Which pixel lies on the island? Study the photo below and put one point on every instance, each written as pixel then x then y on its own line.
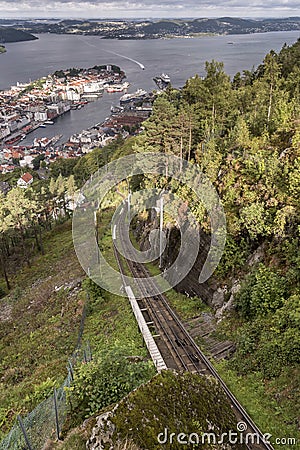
pixel 2 49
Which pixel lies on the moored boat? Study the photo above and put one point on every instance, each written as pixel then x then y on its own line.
pixel 135 96
pixel 117 87
pixel 162 81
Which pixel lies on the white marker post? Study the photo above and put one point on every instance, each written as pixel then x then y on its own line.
pixel 114 236
pixel 128 204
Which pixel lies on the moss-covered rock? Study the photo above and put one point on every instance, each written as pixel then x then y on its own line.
pixel 170 403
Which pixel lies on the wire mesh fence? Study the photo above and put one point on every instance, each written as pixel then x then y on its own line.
pixel 47 419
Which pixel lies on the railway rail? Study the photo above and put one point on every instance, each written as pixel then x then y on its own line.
pixel 177 347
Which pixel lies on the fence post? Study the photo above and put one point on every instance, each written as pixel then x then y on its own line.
pixel 69 375
pixel 71 370
pixel 24 433
pixel 90 351
pixel 56 414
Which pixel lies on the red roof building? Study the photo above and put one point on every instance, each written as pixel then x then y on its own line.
pixel 25 180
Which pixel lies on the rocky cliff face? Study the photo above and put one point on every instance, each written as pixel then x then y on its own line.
pixel 190 284
pixel 218 295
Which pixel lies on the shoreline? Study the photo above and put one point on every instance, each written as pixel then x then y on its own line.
pixel 122 121
pixel 87 84
pixel 167 37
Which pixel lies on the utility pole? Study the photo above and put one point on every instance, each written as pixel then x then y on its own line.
pixel 161 224
pixel 96 236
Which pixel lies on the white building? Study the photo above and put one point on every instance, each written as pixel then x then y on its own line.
pixel 93 87
pixel 40 116
pixel 72 95
pixel 25 181
pixel 4 130
pixel 26 161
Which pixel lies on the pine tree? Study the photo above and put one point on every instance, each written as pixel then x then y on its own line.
pixel 20 211
pixel 3 231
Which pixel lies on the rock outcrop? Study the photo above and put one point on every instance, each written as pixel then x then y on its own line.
pixel 169 403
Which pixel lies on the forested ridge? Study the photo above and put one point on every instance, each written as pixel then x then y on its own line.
pixel 153 29
pixel 244 134
pixel 10 34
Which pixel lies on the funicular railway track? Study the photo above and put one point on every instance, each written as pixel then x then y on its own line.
pixel 178 348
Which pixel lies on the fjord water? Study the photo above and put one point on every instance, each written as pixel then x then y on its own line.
pixel 181 58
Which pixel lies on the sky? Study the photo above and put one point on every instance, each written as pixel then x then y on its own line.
pixel 147 8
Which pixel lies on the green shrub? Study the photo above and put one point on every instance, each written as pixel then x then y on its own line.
pixel 41 391
pixel 262 292
pixel 268 344
pixel 17 294
pixel 234 256
pixel 94 293
pixel 105 380
pixel 92 289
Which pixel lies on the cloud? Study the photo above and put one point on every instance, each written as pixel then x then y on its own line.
pixel 144 8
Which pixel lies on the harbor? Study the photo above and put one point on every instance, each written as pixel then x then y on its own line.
pixel 28 106
pixel 123 118
pixel 85 113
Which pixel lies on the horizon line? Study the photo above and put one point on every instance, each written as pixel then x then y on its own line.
pixel 149 18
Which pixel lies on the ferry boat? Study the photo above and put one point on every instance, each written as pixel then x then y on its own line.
pixel 117 87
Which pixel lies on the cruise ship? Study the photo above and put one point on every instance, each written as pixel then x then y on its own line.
pixel 138 95
pixel 162 81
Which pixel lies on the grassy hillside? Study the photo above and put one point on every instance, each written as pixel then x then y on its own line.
pixel 40 321
pixel 39 326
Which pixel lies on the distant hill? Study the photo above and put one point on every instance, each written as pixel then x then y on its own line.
pixel 155 29
pixel 9 34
